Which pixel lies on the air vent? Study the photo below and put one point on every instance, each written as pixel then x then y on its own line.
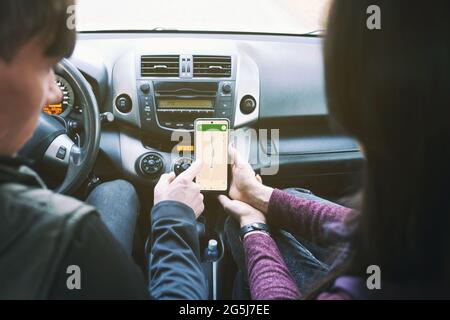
pixel 212 66
pixel 160 66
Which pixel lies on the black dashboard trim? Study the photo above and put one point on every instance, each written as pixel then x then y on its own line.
pixel 247 33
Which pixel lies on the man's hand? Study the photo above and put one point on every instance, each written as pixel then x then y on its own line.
pixel 181 189
pixel 242 212
pixel 246 186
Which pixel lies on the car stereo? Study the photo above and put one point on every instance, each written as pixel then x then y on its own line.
pixel 175 105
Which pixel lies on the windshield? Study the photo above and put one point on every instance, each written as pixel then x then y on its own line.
pixel 261 16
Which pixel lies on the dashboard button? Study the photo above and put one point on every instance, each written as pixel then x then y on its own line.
pixel 223 113
pixel 225 104
pixel 61 154
pixel 124 103
pixel 146 101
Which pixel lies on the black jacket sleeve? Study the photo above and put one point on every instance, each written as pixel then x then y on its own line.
pixel 175 270
pixel 107 271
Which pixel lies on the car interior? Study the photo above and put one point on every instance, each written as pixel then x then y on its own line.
pixel 129 93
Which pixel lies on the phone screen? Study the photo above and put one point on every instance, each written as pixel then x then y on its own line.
pixel 211 149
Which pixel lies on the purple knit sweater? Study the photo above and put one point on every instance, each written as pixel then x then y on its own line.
pixel 269 278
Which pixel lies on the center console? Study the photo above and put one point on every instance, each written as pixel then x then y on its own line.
pixel 174 105
pixel 155 95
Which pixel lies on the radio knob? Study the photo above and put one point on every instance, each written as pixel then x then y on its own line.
pixel 145 88
pixel 226 88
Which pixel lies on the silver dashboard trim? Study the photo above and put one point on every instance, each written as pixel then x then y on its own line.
pixel 124 82
pixel 125 79
pixel 247 83
pixel 135 150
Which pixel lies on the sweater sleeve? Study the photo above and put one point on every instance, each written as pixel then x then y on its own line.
pixel 268 275
pixel 340 295
pixel 303 217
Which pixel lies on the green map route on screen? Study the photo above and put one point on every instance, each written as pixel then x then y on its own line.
pixel 212 127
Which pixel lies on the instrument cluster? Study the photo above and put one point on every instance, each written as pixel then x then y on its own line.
pixel 68 105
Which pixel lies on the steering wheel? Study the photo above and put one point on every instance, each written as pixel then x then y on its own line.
pixel 50 144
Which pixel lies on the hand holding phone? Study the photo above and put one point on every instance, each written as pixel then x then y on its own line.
pixel 211 150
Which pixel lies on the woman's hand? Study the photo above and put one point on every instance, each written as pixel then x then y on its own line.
pixel 181 189
pixel 244 213
pixel 244 178
pixel 246 186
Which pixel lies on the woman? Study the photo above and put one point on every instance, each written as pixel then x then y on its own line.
pixel 390 89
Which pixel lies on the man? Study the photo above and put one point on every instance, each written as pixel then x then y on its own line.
pixel 46 239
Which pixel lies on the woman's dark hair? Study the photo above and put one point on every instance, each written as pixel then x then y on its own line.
pixel 22 20
pixel 390 89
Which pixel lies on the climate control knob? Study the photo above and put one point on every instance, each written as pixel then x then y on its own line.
pixel 151 164
pixel 182 165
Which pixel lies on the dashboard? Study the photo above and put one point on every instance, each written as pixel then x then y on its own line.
pixel 161 95
pixel 157 84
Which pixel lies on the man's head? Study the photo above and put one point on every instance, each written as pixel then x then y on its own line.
pixel 34 36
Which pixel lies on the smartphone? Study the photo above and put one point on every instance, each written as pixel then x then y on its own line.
pixel 211 149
